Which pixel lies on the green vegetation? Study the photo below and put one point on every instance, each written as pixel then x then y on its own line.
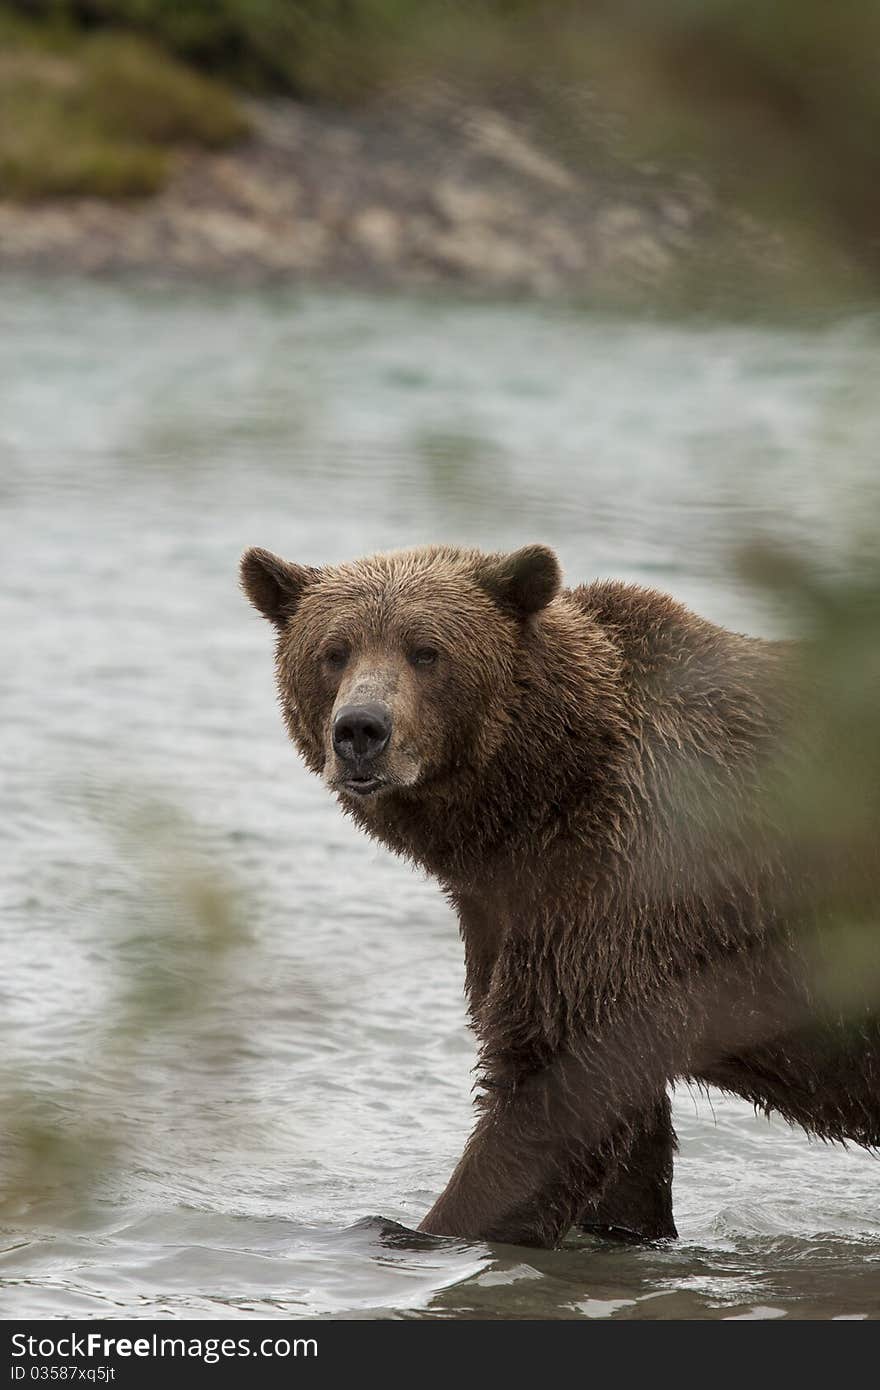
pixel 287 45
pixel 100 115
pixel 829 798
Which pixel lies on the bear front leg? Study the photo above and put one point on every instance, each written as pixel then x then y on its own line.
pixel 538 1158
pixel 557 1128
pixel 636 1201
pixel 575 1118
pixel 508 1188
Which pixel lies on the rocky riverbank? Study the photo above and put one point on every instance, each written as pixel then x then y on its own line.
pixel 411 194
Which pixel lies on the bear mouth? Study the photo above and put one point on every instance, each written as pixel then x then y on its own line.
pixel 363 786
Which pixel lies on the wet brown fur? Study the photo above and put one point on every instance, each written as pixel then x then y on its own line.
pixel 586 783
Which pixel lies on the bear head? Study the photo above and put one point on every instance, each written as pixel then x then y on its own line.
pixel 399 671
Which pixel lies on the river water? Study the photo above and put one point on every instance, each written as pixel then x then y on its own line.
pixel 234 1066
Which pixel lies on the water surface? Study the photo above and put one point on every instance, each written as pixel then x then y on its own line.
pixel 252 1131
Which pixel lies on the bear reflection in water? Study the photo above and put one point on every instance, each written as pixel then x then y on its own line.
pixel 588 774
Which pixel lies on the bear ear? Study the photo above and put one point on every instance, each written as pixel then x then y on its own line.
pixel 524 581
pixel 273 585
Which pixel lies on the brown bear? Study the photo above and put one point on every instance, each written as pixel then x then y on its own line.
pixel 583 772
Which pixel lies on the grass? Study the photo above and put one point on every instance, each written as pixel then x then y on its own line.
pixel 100 115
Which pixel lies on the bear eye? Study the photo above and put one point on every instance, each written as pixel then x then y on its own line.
pixel 336 655
pixel 424 656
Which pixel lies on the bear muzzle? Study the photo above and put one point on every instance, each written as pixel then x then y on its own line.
pixel 361 733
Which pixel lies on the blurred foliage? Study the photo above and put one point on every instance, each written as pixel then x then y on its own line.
pixel 827 796
pixel 779 102
pixel 170 955
pixel 100 115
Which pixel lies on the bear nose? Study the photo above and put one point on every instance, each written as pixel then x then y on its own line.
pixel 361 732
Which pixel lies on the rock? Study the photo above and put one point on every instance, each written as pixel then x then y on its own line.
pixel 619 219
pixel 493 134
pixel 676 212
pixel 461 202
pixel 377 231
